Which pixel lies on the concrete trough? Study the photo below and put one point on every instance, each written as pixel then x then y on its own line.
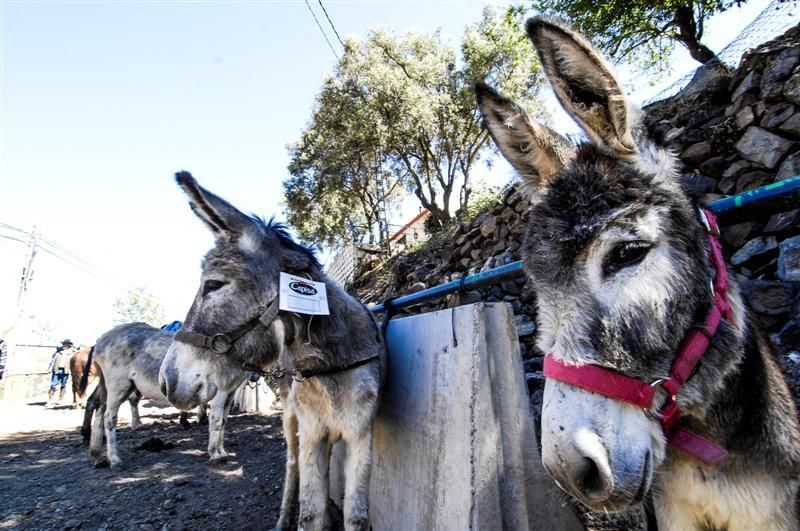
pixel 454 441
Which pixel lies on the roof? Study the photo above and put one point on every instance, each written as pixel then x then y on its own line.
pixel 408 225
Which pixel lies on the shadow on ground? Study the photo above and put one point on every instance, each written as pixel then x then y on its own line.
pixel 49 482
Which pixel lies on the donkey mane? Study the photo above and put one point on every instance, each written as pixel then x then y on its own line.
pixel 281 231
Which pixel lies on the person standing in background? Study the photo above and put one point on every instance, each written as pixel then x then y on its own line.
pixel 3 354
pixel 59 371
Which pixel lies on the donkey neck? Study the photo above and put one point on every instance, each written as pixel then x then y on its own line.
pixel 315 341
pixel 748 408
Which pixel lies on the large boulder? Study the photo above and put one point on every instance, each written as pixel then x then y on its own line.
pixel 761 146
pixel 789 260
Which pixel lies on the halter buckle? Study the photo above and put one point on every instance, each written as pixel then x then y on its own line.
pixel 220 343
pixel 707 224
pixel 671 400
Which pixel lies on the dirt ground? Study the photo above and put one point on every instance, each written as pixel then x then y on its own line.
pixel 47 480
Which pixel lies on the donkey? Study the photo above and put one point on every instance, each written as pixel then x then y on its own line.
pixel 93 402
pixel 129 357
pixel 627 303
pixel 337 361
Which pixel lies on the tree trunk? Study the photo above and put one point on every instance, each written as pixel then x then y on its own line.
pixel 439 218
pixel 688 35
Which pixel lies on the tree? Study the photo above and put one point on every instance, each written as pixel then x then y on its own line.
pixel 399 113
pixel 640 31
pixel 338 176
pixel 138 306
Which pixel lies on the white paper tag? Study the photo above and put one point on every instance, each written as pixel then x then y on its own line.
pixel 301 295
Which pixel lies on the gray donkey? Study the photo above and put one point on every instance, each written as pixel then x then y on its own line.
pixel 646 343
pixel 337 361
pixel 129 357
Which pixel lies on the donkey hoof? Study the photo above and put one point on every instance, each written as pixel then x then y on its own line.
pixel 218 460
pixel 116 464
pixel 101 463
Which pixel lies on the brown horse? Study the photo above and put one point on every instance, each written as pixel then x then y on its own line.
pixel 77 364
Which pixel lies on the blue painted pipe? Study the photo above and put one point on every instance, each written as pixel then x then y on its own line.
pixel 781 195
pixel 777 197
pixel 479 280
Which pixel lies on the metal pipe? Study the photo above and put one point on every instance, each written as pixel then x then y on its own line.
pixel 776 197
pixel 478 280
pixel 783 195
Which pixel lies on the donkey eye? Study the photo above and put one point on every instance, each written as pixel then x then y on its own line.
pixel 212 285
pixel 625 255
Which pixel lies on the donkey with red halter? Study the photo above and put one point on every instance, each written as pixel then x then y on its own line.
pixel 656 375
pixel 337 361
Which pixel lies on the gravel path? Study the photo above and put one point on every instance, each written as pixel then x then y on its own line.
pixel 49 482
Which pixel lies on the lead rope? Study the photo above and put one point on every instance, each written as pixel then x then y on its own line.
pixel 461 289
pixel 308 330
pixel 388 312
pixel 308 325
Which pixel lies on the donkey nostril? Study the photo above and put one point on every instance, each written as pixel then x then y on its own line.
pixel 595 484
pixel 163 385
pixel 591 476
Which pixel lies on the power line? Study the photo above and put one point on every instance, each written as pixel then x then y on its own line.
pixel 62 253
pixel 17 229
pixel 12 238
pixel 322 30
pixel 72 255
pixel 330 22
pixel 84 266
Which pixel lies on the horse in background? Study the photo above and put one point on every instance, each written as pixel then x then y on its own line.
pixel 77 365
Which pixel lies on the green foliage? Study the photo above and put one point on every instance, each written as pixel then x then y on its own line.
pixel 483 200
pixel 137 306
pixel 641 32
pixel 399 114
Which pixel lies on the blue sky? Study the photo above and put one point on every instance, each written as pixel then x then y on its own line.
pixel 102 101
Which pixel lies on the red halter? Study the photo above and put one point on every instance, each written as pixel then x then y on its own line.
pixel 639 393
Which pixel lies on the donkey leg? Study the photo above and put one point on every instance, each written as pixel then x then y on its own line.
pixel 216 428
pixel 96 436
pixel 98 407
pixel 202 414
pixel 114 400
pixel 226 409
pixel 356 487
pixel 133 400
pixel 290 482
pixel 313 454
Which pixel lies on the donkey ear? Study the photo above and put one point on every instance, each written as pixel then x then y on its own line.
pixel 584 84
pixel 224 220
pixel 533 149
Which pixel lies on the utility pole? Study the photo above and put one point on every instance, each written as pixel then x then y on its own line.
pixel 27 272
pixel 25 282
pixel 383 221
